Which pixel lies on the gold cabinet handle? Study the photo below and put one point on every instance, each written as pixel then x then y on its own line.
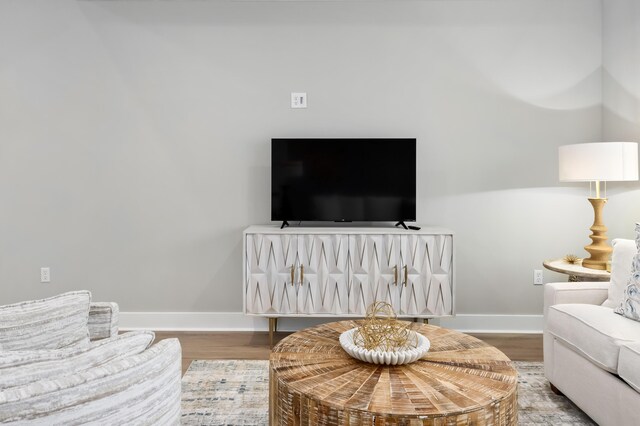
pixel 395 275
pixel 406 275
pixel 292 274
pixel 301 274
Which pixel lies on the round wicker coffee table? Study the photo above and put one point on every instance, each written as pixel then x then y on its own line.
pixel 460 381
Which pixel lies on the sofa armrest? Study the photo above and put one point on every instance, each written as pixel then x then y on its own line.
pixel 142 388
pixel 103 320
pixel 591 293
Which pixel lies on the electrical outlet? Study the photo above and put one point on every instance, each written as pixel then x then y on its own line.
pixel 45 275
pixel 298 100
pixel 537 277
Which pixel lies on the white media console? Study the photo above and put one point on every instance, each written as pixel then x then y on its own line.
pixel 327 272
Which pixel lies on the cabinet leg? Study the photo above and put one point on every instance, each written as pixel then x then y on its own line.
pixel 273 327
pixel 425 320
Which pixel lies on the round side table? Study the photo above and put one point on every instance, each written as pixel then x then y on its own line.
pixel 576 271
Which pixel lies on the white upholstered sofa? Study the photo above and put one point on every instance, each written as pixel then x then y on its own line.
pixel 591 354
pixel 62 362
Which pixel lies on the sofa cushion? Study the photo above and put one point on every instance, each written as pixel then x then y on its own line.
pixel 593 331
pixel 22 367
pixel 138 389
pixel 103 320
pixel 629 364
pixel 630 306
pixel 621 260
pixel 52 323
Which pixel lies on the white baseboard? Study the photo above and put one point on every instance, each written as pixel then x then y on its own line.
pixel 493 323
pixel 237 321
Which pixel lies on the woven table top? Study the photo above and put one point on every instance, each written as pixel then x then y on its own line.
pixel 459 374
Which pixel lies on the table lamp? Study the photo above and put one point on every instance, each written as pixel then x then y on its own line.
pixel 595 163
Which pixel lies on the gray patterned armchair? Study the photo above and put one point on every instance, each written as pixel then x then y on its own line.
pixel 62 362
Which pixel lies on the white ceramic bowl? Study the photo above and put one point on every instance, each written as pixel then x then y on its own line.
pixel 383 357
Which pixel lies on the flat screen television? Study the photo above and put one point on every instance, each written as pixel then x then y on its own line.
pixel 343 180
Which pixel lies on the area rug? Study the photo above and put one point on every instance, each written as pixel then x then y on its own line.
pixel 223 393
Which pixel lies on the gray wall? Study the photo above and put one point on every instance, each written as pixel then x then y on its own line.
pixel 621 69
pixel 134 136
pixel 621 91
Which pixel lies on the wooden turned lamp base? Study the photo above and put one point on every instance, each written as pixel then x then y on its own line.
pixel 599 250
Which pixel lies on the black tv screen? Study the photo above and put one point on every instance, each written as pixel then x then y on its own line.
pixel 343 180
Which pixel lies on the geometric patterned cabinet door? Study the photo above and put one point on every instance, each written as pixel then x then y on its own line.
pixel 341 271
pixel 410 272
pixel 323 266
pixel 297 274
pixel 374 265
pixel 427 288
pixel 270 259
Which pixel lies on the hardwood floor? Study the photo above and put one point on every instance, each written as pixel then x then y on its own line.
pixel 255 345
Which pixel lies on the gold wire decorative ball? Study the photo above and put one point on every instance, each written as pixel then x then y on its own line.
pixel 382 331
pixel 572 259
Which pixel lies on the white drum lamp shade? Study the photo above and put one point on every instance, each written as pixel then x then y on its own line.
pixel 598 162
